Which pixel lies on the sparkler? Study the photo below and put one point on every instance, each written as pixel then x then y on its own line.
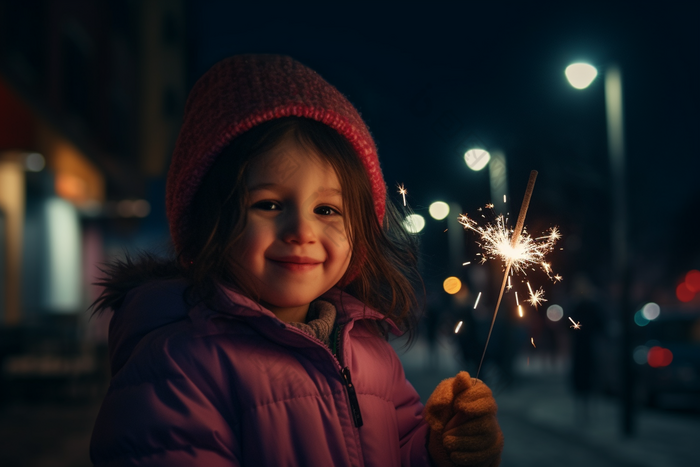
pixel 402 192
pixel 514 251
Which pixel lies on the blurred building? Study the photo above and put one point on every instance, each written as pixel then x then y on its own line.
pixel 91 96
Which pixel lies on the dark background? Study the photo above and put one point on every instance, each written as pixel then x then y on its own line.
pixel 110 79
pixel 496 74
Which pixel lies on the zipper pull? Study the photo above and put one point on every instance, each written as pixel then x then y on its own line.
pixel 354 404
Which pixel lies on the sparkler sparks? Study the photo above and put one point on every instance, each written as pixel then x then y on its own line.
pixel 520 311
pixel 477 300
pixel 537 297
pixel 402 192
pixel 532 341
pixel 515 248
pixel 496 241
pixel 459 325
pixel 575 324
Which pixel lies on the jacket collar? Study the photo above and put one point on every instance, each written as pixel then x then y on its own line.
pixel 159 303
pixel 348 308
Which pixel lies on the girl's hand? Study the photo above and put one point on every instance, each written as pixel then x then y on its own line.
pixel 463 426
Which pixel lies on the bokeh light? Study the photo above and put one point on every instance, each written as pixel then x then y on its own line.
pixel 34 162
pixel 452 285
pixel 141 208
pixel 555 313
pixel 692 280
pixel 639 319
pixel 580 75
pixel 651 311
pixel 414 223
pixel 439 210
pixel 659 357
pixel 477 159
pixel 683 293
pixel 640 354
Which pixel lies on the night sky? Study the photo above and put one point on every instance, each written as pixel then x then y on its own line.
pixel 428 79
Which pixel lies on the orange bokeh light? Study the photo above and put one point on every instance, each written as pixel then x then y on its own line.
pixel 659 357
pixel 683 293
pixel 452 285
pixel 692 280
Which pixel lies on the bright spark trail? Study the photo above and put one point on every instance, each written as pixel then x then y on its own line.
pixel 575 324
pixel 402 192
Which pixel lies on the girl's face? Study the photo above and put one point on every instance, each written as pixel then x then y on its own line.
pixel 294 244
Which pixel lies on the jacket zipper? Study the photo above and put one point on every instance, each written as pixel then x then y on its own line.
pixel 347 382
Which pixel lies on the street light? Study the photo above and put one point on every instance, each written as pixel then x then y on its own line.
pixel 580 75
pixel 477 159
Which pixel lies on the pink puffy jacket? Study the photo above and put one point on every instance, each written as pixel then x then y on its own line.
pixel 196 387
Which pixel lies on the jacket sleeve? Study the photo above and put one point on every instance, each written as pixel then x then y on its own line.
pixel 413 429
pixel 163 408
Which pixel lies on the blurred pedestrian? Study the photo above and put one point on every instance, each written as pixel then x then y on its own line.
pixel 584 364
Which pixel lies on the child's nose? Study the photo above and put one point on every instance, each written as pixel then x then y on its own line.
pixel 298 228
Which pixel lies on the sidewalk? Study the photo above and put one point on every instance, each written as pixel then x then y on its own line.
pixel 539 421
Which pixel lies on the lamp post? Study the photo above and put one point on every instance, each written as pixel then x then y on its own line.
pixel 580 75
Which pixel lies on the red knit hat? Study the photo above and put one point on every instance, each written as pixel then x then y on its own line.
pixel 246 90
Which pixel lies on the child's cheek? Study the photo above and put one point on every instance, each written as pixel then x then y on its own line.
pixel 334 233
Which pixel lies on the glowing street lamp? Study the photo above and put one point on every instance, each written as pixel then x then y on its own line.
pixel 580 75
pixel 477 159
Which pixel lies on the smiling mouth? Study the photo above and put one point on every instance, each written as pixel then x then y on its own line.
pixel 294 266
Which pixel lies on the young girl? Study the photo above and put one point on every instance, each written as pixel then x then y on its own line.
pixel 265 342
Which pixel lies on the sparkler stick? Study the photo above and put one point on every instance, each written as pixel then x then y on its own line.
pixel 513 242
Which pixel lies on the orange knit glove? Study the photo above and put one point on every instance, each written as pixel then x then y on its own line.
pixel 464 430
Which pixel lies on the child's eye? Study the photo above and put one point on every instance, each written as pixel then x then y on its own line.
pixel 326 211
pixel 267 206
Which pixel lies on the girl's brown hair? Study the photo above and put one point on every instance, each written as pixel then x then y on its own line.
pixel 384 256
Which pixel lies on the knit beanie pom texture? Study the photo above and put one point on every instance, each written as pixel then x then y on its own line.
pixel 239 93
